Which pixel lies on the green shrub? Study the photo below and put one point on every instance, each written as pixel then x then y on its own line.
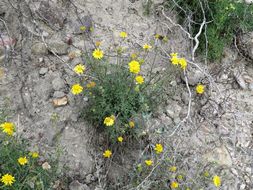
pixel 19 168
pixel 114 93
pixel 225 19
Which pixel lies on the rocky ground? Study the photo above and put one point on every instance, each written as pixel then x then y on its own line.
pixel 39 45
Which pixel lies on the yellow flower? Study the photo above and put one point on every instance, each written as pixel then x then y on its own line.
pixel 22 161
pixel 120 139
pixel 8 128
pixel 174 185
pixel 76 89
pixel 134 67
pixel 123 34
pixel 183 63
pixel 109 121
pixel 174 60
pixel 216 181
pixel 173 168
pixel 158 148
pixel 98 54
pixel 8 179
pixel 91 84
pixel 200 89
pixel 98 43
pixel 131 124
pixel 148 162
pixel 139 79
pixel 107 154
pixel 82 28
pixel 34 154
pixel 173 54
pixel 79 69
pixel 147 47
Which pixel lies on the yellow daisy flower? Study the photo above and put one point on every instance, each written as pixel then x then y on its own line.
pixel 76 89
pixel 79 69
pixel 98 54
pixel 174 60
pixel 134 67
pixel 8 128
pixel 173 168
pixel 174 185
pixel 109 121
pixel 158 148
pixel 183 63
pixel 139 79
pixel 146 47
pixel 34 154
pixel 123 34
pixel 22 160
pixel 120 139
pixel 107 153
pixel 200 89
pixel 149 162
pixel 7 179
pixel 216 181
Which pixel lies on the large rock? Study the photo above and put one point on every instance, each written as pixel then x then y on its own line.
pixel 75 143
pixel 58 47
pixel 58 83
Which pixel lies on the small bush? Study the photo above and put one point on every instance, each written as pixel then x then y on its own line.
pixel 225 19
pixel 121 92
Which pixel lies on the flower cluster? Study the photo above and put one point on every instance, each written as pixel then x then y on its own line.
pixel 175 60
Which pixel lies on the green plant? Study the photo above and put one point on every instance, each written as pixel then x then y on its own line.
pixel 168 169
pixel 19 168
pixel 120 93
pixel 225 19
pixel 116 93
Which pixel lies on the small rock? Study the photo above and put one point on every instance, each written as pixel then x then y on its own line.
pixel 58 83
pixel 43 71
pixel 60 101
pixel 76 185
pixel 39 49
pixel 173 110
pixel 194 77
pixel 58 47
pixel 58 94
